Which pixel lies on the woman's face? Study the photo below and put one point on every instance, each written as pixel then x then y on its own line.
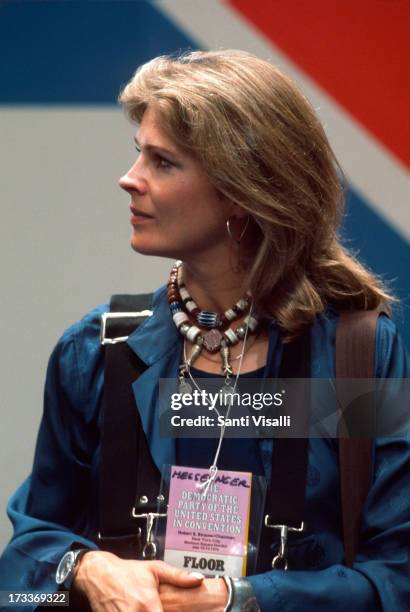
pixel 175 210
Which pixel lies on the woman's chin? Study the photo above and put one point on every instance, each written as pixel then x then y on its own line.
pixel 145 247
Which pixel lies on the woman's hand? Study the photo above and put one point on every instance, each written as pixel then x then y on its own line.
pixel 117 585
pixel 210 596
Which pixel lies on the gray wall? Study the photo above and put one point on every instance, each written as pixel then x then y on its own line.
pixel 64 249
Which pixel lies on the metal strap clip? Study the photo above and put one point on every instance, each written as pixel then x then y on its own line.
pixel 150 548
pixel 118 315
pixel 280 561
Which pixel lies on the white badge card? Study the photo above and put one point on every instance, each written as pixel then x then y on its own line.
pixel 208 524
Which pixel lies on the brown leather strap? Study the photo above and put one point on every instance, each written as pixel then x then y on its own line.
pixel 355 352
pixel 355 343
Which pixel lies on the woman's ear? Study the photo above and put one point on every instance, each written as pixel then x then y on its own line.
pixel 239 212
pixel 233 209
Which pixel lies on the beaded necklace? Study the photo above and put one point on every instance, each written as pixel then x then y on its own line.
pixel 219 336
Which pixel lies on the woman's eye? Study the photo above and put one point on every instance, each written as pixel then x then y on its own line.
pixel 157 159
pixel 161 162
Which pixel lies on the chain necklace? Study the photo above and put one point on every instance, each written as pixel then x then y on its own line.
pixel 228 393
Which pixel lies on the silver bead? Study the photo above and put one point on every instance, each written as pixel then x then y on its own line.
pixel 251 322
pixel 242 304
pixel 226 366
pixel 231 336
pixel 196 350
pixel 184 328
pixel 230 314
pixel 240 332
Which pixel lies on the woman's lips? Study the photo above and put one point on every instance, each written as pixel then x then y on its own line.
pixel 137 216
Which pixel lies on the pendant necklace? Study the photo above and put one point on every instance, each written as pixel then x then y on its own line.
pixel 218 335
pixel 228 391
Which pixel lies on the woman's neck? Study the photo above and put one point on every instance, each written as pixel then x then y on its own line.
pixel 214 288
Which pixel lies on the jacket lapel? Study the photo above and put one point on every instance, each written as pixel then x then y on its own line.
pixel 158 344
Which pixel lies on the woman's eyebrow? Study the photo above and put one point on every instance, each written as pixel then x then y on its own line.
pixel 156 147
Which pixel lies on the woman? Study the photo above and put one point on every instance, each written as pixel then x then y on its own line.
pixel 234 177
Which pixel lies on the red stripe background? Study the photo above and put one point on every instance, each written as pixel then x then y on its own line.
pixel 358 51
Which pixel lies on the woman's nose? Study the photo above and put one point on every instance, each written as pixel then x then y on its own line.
pixel 132 181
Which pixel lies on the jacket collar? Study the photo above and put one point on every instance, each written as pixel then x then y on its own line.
pixel 157 335
pixel 158 344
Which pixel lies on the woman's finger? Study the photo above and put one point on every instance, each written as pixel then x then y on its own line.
pixel 178 577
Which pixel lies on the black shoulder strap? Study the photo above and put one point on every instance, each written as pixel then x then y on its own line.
pixel 125 459
pixel 355 351
pixel 285 500
pixel 286 494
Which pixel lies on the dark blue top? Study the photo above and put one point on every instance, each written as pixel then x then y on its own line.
pixel 241 454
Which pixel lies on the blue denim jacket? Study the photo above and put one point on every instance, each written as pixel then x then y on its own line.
pixel 57 506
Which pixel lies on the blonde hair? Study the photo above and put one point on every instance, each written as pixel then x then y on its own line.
pixel 264 148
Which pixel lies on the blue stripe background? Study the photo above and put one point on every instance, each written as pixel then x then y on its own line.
pixel 79 53
pixel 383 250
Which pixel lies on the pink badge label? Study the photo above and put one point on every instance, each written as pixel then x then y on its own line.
pixel 208 533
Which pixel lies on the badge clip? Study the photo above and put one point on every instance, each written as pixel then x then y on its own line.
pixel 279 561
pixel 150 548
